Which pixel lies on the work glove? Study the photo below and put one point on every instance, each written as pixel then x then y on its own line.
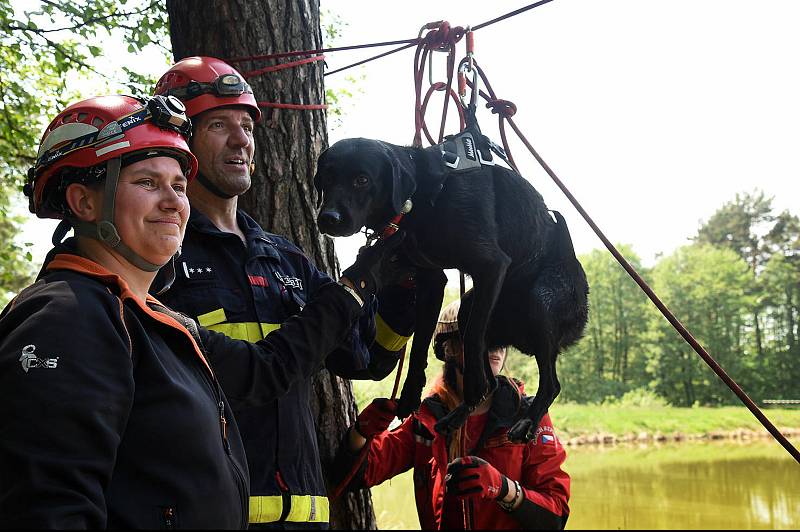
pixel 376 418
pixel 365 271
pixel 473 477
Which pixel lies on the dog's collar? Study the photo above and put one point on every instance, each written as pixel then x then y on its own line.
pixel 394 224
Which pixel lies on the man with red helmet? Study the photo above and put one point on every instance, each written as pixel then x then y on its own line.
pixel 236 278
pixel 112 413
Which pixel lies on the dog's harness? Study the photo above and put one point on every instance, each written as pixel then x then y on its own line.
pixel 463 152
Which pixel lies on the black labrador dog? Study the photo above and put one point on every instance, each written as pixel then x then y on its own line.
pixel 529 290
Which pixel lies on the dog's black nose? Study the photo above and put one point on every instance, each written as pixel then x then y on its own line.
pixel 328 220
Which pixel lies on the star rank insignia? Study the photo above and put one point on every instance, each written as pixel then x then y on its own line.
pixel 198 270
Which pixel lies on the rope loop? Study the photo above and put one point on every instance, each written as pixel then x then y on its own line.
pixel 504 108
pixel 443 37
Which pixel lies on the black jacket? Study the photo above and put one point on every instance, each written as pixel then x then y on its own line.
pixel 111 415
pixel 248 290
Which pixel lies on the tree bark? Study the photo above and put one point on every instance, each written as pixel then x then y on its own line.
pixel 282 197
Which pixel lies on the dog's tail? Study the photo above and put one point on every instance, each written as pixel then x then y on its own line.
pixel 562 241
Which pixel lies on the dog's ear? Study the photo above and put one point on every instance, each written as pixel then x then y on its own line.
pixel 318 178
pixel 403 178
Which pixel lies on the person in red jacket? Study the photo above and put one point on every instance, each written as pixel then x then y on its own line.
pixel 505 485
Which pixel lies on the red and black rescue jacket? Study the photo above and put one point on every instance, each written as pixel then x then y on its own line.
pixel 536 465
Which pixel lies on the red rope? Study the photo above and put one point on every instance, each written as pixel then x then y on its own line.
pixel 282 66
pixel 441 37
pixel 362 455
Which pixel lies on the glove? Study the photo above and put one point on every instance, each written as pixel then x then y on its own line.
pixel 473 477
pixel 365 271
pixel 376 418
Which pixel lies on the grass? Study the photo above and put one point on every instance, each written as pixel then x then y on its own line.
pixel 573 420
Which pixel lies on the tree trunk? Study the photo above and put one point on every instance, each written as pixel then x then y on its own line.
pixel 288 142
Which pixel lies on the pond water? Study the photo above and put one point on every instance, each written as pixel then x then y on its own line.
pixel 708 485
pixel 751 484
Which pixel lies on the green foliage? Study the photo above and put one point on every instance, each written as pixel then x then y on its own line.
pixel 16 270
pixel 611 358
pixel 340 92
pixel 741 225
pixel 42 47
pixel 707 288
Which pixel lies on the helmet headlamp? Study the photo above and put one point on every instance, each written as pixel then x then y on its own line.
pixel 225 85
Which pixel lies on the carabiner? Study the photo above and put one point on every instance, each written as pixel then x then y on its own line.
pixel 462 83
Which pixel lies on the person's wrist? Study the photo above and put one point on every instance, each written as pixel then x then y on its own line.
pixel 513 497
pixel 345 283
pixel 511 492
pixel 357 440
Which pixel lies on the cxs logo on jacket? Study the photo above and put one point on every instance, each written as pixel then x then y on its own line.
pixel 29 360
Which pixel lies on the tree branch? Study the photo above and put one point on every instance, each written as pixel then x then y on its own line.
pixel 88 22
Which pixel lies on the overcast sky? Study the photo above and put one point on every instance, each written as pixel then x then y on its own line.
pixel 652 113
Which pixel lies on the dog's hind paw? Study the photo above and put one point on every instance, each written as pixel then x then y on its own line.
pixel 454 420
pixel 523 431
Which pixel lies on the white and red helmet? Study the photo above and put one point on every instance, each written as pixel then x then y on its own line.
pixel 446 327
pixel 94 131
pixel 204 83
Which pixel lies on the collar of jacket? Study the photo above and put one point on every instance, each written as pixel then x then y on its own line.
pixel 265 244
pixel 502 413
pixel 117 285
pixel 253 233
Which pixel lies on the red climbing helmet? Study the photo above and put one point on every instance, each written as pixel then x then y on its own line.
pixel 204 83
pixel 103 128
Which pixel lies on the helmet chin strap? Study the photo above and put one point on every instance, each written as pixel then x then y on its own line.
pixel 105 231
pixel 214 189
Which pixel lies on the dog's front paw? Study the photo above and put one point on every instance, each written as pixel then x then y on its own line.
pixel 523 431
pixel 453 421
pixel 406 404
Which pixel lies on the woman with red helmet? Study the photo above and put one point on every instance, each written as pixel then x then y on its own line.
pixel 113 415
pixel 507 485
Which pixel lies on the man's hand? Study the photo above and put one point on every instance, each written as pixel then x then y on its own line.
pixel 365 273
pixel 376 417
pixel 473 477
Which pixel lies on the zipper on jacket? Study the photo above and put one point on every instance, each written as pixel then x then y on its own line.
pixel 168 515
pixel 223 423
pixel 243 487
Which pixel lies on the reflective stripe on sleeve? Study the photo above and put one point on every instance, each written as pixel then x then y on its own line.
pixel 249 331
pixel 387 338
pixel 304 509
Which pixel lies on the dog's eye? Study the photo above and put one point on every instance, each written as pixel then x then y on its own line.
pixel 360 181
